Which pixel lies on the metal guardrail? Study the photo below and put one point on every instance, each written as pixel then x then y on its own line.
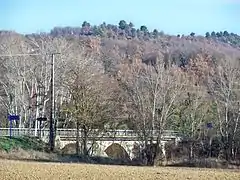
pixel 69 133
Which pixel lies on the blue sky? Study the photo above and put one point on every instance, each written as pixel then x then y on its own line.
pixel 171 16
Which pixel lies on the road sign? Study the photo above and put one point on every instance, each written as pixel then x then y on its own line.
pixel 209 125
pixel 12 117
pixel 41 119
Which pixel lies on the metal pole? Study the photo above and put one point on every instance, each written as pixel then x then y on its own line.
pixel 40 129
pixel 10 129
pixel 51 128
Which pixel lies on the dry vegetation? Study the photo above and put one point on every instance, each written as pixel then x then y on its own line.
pixel 33 170
pixel 117 77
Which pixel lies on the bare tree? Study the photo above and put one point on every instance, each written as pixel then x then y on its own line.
pixel 192 116
pixel 224 87
pixel 14 81
pixel 150 96
pixel 27 78
pixel 90 99
pixel 195 103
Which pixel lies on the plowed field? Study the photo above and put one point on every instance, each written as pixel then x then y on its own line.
pixel 19 170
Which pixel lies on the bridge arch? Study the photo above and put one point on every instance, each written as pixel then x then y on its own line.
pixel 116 151
pixel 127 146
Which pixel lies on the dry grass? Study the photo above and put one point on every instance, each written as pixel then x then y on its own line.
pixel 34 170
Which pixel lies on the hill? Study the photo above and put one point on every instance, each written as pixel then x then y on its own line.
pixel 112 76
pixel 124 41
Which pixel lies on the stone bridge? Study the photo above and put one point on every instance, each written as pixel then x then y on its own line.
pixel 99 147
pixel 98 142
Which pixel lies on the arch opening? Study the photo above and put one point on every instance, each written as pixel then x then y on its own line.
pixel 116 151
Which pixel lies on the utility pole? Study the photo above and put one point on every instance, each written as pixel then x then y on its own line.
pixel 52 108
pixel 51 119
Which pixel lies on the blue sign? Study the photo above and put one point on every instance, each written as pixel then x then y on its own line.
pixel 209 125
pixel 13 117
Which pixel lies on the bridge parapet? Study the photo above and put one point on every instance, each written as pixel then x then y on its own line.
pixel 72 133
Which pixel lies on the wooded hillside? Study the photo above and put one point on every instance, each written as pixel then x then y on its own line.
pixel 117 76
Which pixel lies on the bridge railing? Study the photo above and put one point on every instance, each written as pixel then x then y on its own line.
pixel 73 133
pixel 67 132
pixel 17 131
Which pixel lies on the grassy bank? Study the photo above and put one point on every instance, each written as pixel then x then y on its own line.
pixel 26 143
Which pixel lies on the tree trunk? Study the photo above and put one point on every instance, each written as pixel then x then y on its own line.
pixel 85 138
pixel 78 139
pixel 159 156
pixel 55 125
pixel 37 109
